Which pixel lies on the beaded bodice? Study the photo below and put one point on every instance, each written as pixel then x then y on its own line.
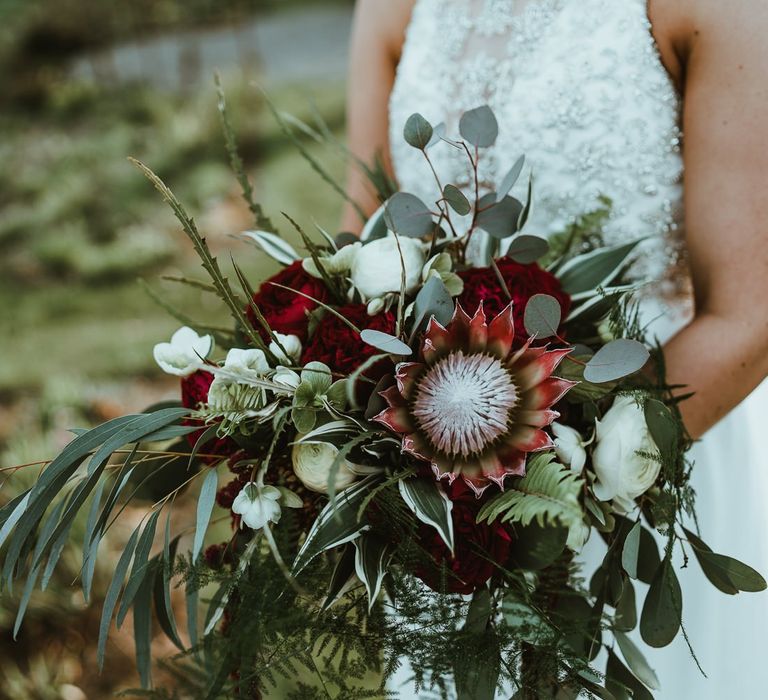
pixel 578 86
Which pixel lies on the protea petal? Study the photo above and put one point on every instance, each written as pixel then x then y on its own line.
pixel 549 392
pixel 501 333
pixel 513 461
pixel 393 397
pixel 529 439
pixel 412 444
pixel 436 342
pixel 478 331
pixel 539 368
pixel 397 419
pixel 537 418
pixel 406 375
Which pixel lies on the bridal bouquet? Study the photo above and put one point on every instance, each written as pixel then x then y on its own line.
pixel 412 451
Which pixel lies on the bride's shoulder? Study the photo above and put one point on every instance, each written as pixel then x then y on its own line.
pixel 387 20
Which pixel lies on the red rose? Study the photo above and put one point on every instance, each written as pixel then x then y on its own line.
pixel 285 311
pixel 477 545
pixel 523 282
pixel 338 346
pixel 194 391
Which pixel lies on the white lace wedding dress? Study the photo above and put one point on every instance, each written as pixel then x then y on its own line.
pixel 578 86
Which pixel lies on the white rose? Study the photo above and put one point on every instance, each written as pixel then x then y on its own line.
pixel 569 446
pixel 377 267
pixel 622 474
pixel 292 346
pixel 184 354
pixel 258 505
pixel 312 462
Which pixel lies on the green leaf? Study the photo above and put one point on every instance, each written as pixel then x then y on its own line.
pixel 479 127
pixel 542 316
pixel 663 608
pixel 430 505
pixel 479 612
pixel 725 573
pixel 342 574
pixel 537 546
pixel 618 359
pixel 595 269
pixel 526 622
pixel 407 215
pixel 418 131
pixel 433 299
pixel 89 550
pixel 386 342
pixel 523 220
pixel 572 368
pixel 456 200
pixel 337 524
pixel 637 662
pixel 376 226
pixel 273 245
pixel 527 249
pixel 142 628
pixel 626 609
pixel 631 551
pixel 162 593
pixel 372 557
pixel 14 516
pixel 511 178
pixel 205 504
pixel 498 219
pixel 477 676
pixel 663 429
pixel 110 600
pixel 619 680
pixel 548 494
pixel 140 568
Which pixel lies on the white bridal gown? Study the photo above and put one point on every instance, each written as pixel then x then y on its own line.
pixel 578 86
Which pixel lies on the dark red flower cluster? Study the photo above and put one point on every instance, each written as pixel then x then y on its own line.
pixel 284 310
pixel 523 281
pixel 477 545
pixel 194 391
pixel 338 346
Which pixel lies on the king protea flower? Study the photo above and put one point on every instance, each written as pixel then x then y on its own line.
pixel 474 407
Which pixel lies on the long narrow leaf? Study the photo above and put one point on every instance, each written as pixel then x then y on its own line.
pixel 205 505
pixel 140 569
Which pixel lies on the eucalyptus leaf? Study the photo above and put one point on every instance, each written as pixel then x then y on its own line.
pixel 619 680
pixel 511 178
pixel 618 359
pixel 626 609
pixel 637 662
pixel 479 612
pixel 498 219
pixel 478 675
pixel 523 220
pixel 631 551
pixel 479 127
pixel 418 131
pixel 595 269
pixel 433 299
pixel 527 249
pixel 542 316
pixel 386 342
pixel 662 611
pixel 438 133
pixel 142 628
pixel 407 215
pixel 376 226
pixel 725 573
pixel 205 503
pixel 140 568
pixel 430 504
pixel 273 245
pixel 663 429
pixel 457 200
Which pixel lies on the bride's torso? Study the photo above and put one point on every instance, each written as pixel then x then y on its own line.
pixel 578 86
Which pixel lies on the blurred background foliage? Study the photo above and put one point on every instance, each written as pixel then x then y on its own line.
pixel 84 87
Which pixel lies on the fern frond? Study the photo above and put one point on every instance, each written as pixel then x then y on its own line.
pixel 548 492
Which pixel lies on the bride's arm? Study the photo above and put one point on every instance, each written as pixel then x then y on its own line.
pixel 723 354
pixel 377 36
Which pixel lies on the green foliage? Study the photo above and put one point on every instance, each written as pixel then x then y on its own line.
pixel 548 493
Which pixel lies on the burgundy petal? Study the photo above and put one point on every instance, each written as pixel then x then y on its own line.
pixel 539 368
pixel 501 333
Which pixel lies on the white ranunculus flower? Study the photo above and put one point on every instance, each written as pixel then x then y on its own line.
pixel 258 505
pixel 312 462
pixel 377 267
pixel 287 378
pixel 292 346
pixel 182 356
pixel 339 263
pixel 622 474
pixel 569 446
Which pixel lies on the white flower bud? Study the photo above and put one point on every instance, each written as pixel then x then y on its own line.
pixel 569 446
pixel 257 505
pixel 182 356
pixel 622 474
pixel 292 346
pixel 377 267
